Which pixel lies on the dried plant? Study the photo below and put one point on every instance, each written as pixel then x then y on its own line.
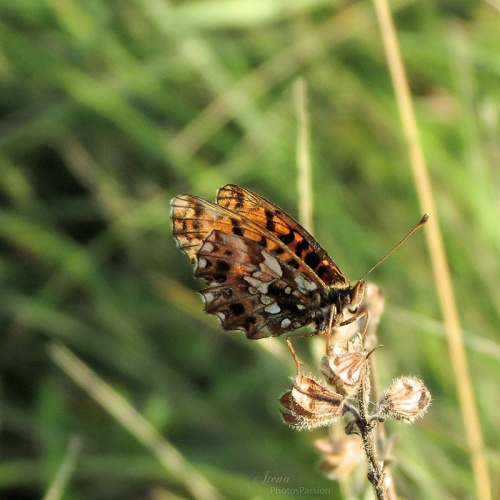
pixel 345 390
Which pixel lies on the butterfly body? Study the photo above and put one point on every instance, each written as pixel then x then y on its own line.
pixel 266 274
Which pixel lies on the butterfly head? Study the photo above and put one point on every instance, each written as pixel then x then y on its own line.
pixel 343 299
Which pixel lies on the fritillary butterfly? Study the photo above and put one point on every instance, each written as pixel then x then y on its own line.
pixel 266 274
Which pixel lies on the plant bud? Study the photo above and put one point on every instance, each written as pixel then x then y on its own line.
pixel 407 399
pixel 345 367
pixel 311 404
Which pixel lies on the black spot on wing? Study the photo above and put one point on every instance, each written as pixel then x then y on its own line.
pixel 270 225
pixel 274 291
pixel 287 238
pixel 237 308
pixel 312 260
pixel 240 200
pixel 198 210
pixel 323 272
pixel 302 246
pixel 223 266
pixel 236 229
pixel 220 272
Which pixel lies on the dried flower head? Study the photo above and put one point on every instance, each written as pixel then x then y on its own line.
pixel 406 399
pixel 340 456
pixel 346 366
pixel 311 404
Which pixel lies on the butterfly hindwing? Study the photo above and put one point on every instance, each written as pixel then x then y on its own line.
pixel 250 289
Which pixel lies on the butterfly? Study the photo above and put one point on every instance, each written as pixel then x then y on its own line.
pixel 265 274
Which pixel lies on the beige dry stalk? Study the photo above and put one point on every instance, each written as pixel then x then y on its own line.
pixel 436 248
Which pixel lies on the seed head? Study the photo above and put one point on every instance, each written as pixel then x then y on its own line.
pixel 406 399
pixel 311 404
pixel 345 366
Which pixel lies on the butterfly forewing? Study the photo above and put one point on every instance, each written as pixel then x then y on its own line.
pixel 285 228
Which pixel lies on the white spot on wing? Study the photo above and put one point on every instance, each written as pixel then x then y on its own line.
pixel 266 300
pixel 285 323
pixel 262 276
pixel 208 247
pixel 239 244
pixel 256 283
pixel 304 284
pixel 274 308
pixel 271 265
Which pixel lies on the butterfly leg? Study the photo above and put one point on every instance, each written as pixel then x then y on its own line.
pixel 328 331
pixel 294 354
pixel 292 350
pixel 365 313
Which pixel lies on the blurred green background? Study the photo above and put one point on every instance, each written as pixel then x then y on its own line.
pixel 109 109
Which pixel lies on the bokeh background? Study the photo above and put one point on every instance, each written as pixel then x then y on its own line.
pixel 109 109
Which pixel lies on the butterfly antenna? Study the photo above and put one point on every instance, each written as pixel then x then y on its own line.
pixel 422 221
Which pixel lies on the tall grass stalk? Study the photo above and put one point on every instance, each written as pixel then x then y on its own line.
pixel 444 285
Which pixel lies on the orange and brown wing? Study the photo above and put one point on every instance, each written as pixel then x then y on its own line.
pixel 195 218
pixel 255 282
pixel 286 229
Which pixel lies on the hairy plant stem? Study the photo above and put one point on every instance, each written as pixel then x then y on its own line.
pixel 366 426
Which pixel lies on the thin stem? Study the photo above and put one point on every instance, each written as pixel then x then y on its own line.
pixel 459 363
pixel 365 425
pixel 304 183
pixel 379 432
